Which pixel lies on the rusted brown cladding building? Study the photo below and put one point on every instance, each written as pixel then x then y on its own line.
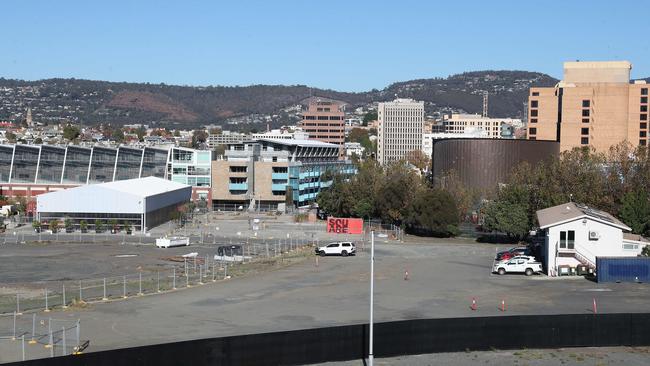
pixel 483 163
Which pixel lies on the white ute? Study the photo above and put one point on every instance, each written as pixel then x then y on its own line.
pixel 343 248
pixel 519 264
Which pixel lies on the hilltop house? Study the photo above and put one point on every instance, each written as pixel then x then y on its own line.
pixel 576 234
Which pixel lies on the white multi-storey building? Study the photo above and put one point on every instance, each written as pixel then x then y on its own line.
pixel 401 123
pixel 459 123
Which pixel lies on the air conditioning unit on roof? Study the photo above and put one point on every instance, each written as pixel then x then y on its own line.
pixel 594 235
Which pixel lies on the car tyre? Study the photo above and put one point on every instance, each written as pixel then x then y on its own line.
pixel 344 253
pixel 321 253
pixel 529 272
pixel 501 271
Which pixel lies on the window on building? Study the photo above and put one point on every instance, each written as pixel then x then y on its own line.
pixel 586 103
pixel 643 134
pixel 644 99
pixel 643 125
pixel 585 113
pixel 533 131
pixel 533 112
pixel 584 141
pixel 534 104
pixel 642 142
pixel 533 120
pixel 643 117
pixel 322 118
pixel 584 131
pixel 567 239
pixel 627 246
pixel 644 108
pixel 585 120
pixel 535 94
pixel 310 117
pixel 644 91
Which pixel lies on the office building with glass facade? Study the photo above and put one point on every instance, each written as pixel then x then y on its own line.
pixel 262 174
pixel 30 170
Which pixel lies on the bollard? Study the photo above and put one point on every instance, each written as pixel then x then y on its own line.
pixel 64 348
pixel 140 283
pixel 406 275
pixel 65 306
pixel 81 299
pixel 174 278
pixel 214 272
pixel 78 331
pixel 22 340
pixel 50 343
pixel 502 306
pixel 474 306
pixel 47 307
pixel 33 340
pixel 157 281
pixel 13 337
pixel 595 308
pixel 104 298
pixel 124 288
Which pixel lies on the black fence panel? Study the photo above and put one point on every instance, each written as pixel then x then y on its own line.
pixel 406 337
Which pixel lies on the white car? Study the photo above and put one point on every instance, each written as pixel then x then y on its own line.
pixel 519 264
pixel 343 248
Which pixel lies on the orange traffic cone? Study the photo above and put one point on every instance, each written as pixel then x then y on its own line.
pixel 595 307
pixel 474 306
pixel 406 275
pixel 502 307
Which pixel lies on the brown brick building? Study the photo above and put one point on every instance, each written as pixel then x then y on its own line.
pixel 594 105
pixel 325 121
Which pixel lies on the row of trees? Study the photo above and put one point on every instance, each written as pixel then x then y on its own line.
pixel 395 194
pixel 54 225
pixel 616 182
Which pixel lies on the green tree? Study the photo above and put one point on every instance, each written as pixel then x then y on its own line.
pixel 38 141
pixel 36 225
pixel 141 133
pixel 54 226
pixel 635 211
pixel 506 217
pixel 220 150
pixel 83 226
pixel 199 137
pixel 369 117
pixel 118 135
pixel 433 212
pixel 99 226
pixel 10 136
pixel 71 132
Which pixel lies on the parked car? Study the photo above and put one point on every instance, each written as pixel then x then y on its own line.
pixel 343 248
pixel 518 264
pixel 230 250
pixel 512 252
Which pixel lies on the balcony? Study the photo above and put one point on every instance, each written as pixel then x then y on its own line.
pixel 238 186
pixel 279 187
pixel 283 176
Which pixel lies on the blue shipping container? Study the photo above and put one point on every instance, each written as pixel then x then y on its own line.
pixel 623 269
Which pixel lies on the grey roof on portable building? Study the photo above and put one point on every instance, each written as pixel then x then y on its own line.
pixel 301 143
pixel 571 211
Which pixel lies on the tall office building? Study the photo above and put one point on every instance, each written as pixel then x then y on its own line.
pixel 594 105
pixel 401 123
pixel 324 121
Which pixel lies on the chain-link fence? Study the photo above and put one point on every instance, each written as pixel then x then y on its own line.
pixel 35 336
pixel 182 271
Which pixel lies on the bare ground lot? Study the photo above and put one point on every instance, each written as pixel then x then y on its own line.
pixel 444 277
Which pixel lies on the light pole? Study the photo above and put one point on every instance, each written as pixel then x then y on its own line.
pixel 372 296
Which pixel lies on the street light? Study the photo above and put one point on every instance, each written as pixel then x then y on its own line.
pixel 372 297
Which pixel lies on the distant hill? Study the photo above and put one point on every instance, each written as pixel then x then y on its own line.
pixel 91 102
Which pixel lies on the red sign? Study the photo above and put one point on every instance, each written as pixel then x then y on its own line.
pixel 344 226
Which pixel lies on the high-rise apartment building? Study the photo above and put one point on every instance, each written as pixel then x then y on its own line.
pixel 401 123
pixel 594 105
pixel 325 121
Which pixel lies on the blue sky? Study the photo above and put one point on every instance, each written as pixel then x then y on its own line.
pixel 344 45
